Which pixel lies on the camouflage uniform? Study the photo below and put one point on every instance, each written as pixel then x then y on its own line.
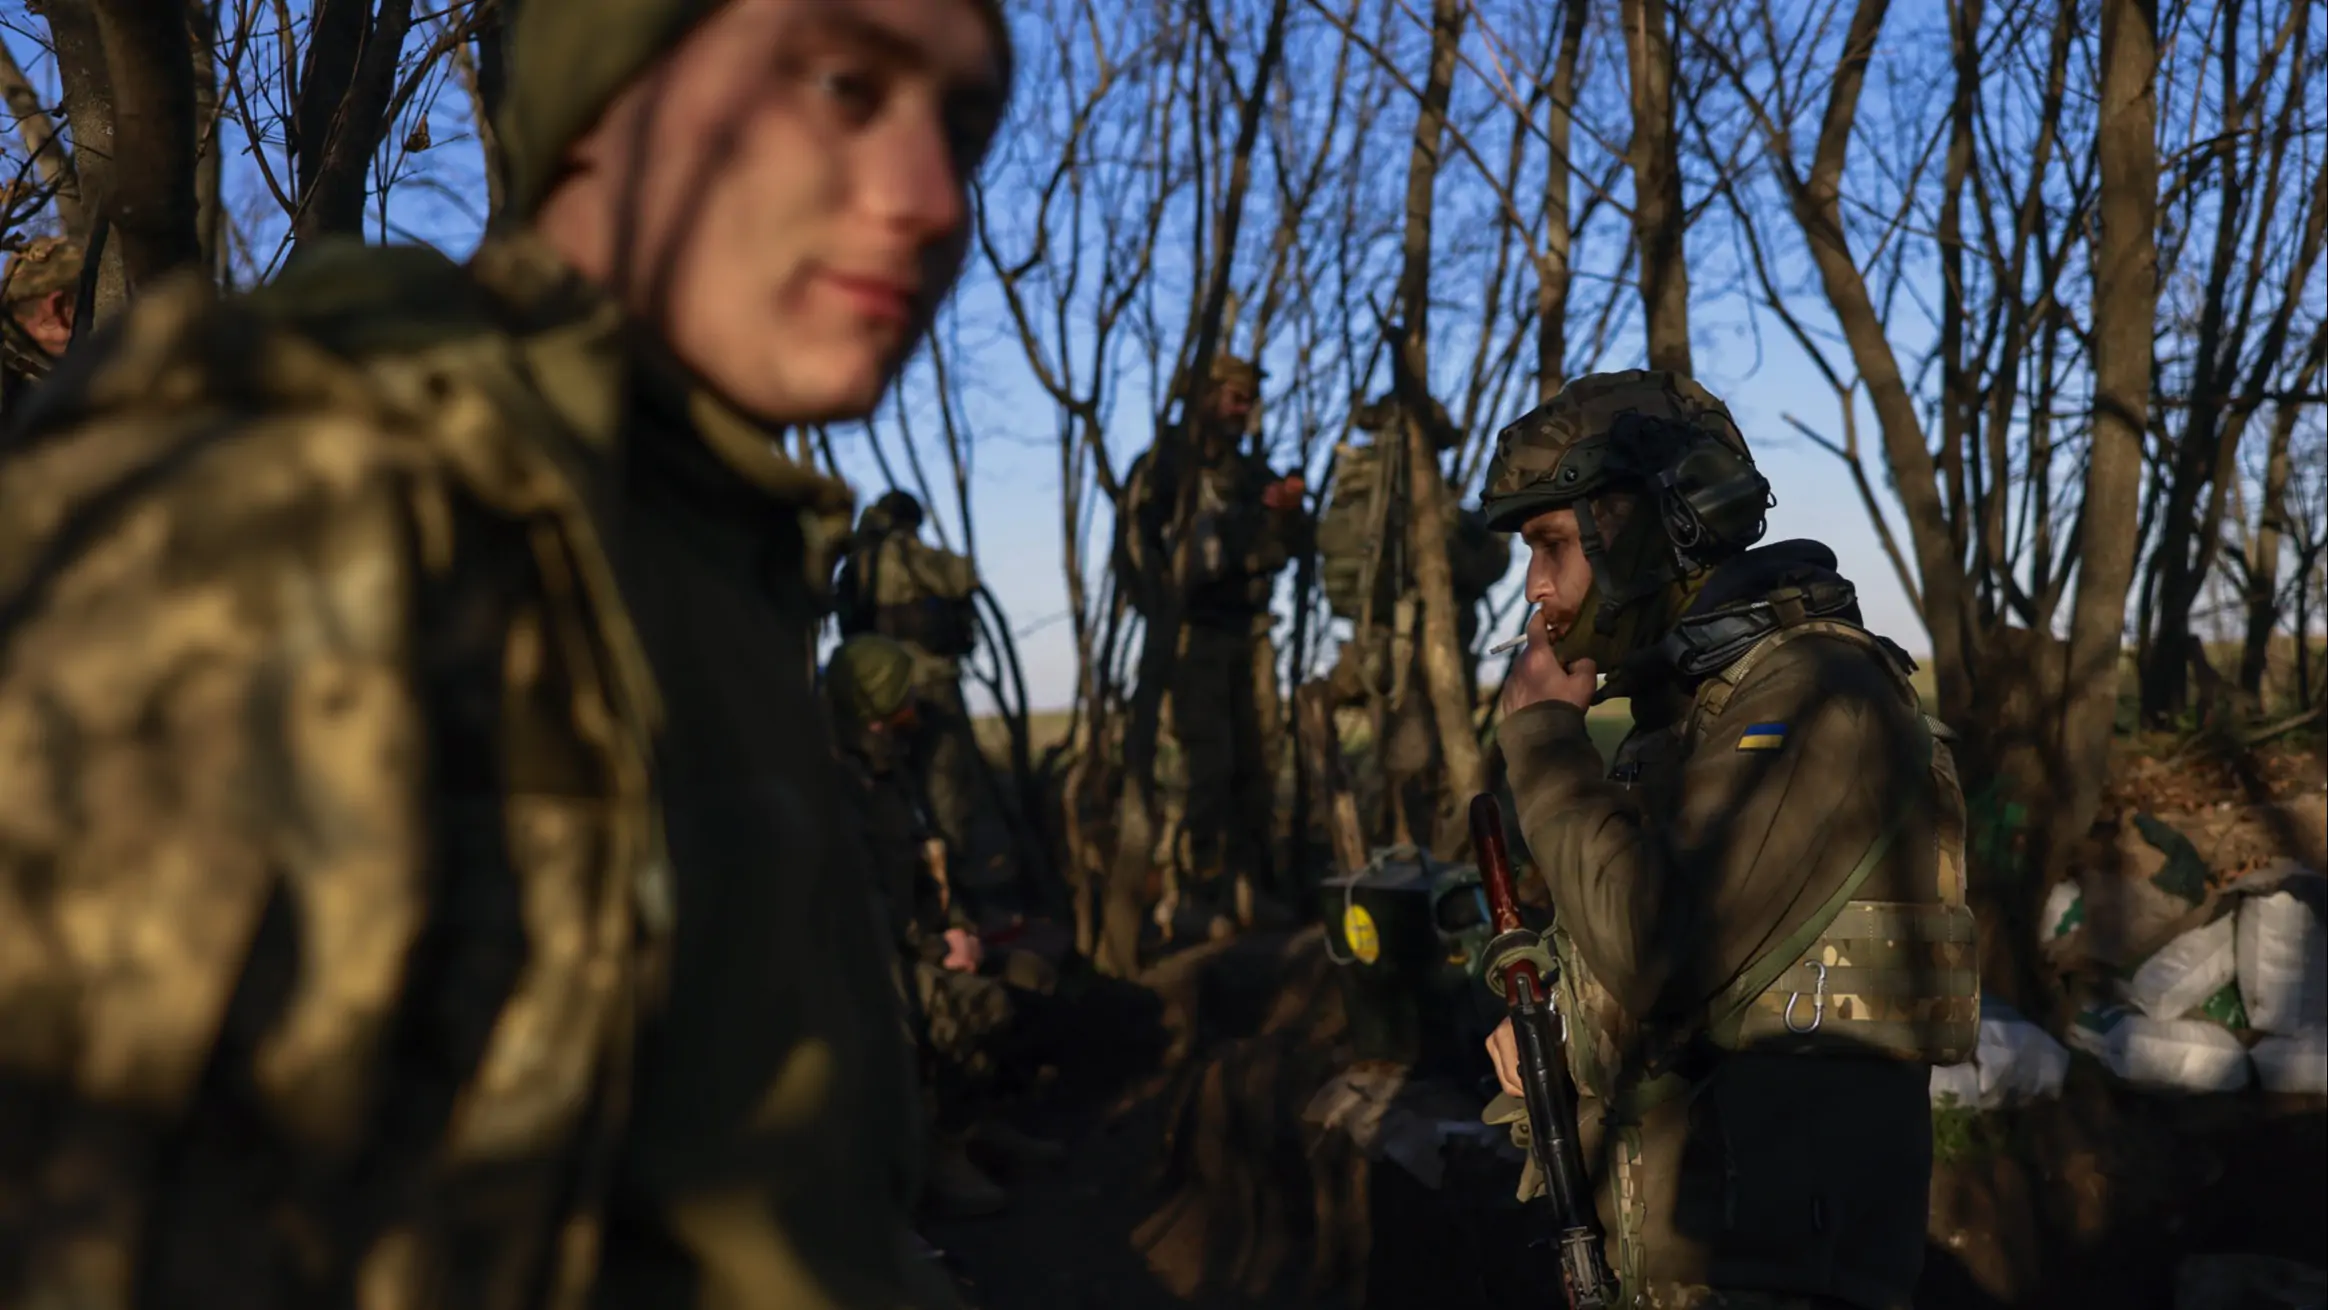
pixel 1755 1115
pixel 956 1015
pixel 896 584
pixel 45 267
pixel 419 883
pixel 1224 678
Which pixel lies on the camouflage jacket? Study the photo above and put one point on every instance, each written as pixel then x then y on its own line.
pixel 341 958
pixel 1671 874
pixel 1238 545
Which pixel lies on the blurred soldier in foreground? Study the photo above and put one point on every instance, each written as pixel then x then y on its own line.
pixel 961 1018
pixel 900 586
pixel 1761 923
pixel 1244 530
pixel 41 286
pixel 1362 544
pixel 419 881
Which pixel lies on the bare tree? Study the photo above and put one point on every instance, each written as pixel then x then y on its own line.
pixel 1658 215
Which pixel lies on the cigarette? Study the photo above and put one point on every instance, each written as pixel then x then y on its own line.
pixel 1508 644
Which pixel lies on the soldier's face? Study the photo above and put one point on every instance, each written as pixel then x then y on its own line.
pixel 48 320
pixel 1559 572
pixel 784 196
pixel 1230 406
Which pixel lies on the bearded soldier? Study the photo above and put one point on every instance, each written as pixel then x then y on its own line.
pixel 1241 535
pixel 420 881
pixel 1760 907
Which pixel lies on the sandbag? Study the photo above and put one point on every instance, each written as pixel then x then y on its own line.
pixel 2297 1063
pixel 2166 1055
pixel 2014 1061
pixel 2282 963
pixel 2181 975
pixel 2064 911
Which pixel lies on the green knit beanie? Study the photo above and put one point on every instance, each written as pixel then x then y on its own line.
pixel 568 59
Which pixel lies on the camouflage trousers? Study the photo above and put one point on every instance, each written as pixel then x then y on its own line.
pixel 961 1021
pixel 961 798
pixel 1222 725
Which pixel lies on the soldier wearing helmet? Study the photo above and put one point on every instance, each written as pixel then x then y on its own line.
pixel 40 286
pixel 1222 700
pixel 1760 903
pixel 894 582
pixel 471 919
pixel 964 1020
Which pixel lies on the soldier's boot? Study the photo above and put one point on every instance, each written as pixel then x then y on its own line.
pixel 955 1188
pixel 1013 1147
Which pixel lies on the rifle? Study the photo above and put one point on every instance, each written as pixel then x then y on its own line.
pixel 1520 971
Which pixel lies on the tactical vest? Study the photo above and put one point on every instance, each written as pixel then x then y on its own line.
pixel 1886 979
pixel 1892 979
pixel 899 587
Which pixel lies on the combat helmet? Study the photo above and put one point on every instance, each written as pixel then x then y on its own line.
pixel 870 677
pixel 1654 432
pixel 44 266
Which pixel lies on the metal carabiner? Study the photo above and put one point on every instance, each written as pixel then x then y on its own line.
pixel 1818 1002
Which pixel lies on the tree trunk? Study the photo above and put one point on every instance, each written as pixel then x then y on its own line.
pixel 2125 306
pixel 87 88
pixel 2263 560
pixel 1118 953
pixel 51 162
pixel 1428 498
pixel 1818 208
pixel 150 203
pixel 344 90
pixel 1552 272
pixel 1658 216
pixel 209 167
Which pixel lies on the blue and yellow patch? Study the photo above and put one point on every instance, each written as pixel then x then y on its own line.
pixel 1762 737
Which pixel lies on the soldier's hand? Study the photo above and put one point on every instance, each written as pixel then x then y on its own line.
pixel 1503 1051
pixel 964 951
pixel 1538 675
pixel 1284 493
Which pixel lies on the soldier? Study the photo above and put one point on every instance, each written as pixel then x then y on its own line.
pixel 960 1017
pixel 420 881
pixel 1761 920
pixel 41 286
pixel 1243 532
pixel 896 584
pixel 1363 535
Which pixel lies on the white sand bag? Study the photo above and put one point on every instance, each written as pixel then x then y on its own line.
pixel 2282 964
pixel 2298 1063
pixel 2175 1055
pixel 2064 911
pixel 2017 1061
pixel 2186 971
pixel 1956 1084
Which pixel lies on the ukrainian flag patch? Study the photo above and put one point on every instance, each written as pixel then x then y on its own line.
pixel 1762 737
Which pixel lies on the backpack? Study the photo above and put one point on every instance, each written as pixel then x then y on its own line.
pixel 1357 531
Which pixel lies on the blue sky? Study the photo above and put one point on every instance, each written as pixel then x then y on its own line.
pixel 1014 486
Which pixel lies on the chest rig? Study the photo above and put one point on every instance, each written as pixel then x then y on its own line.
pixel 1858 977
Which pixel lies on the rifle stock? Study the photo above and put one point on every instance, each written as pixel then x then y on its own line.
pixel 1521 971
